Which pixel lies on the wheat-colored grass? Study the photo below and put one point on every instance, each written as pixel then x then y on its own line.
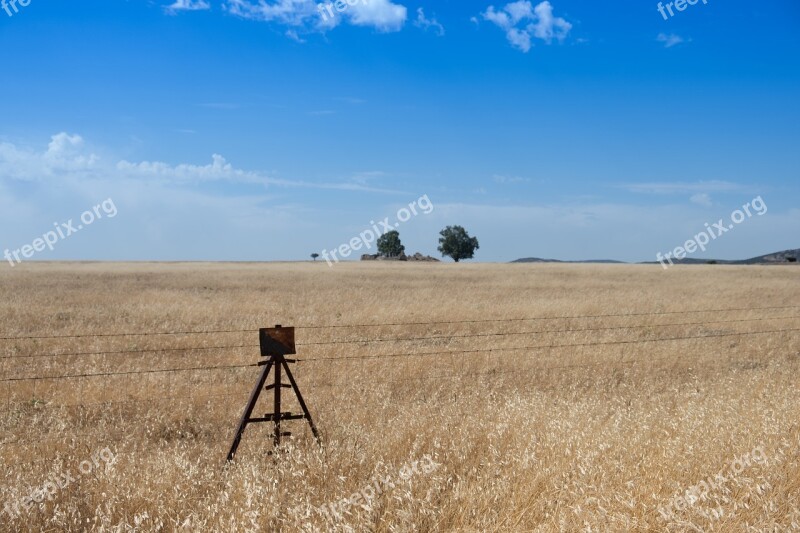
pixel 579 438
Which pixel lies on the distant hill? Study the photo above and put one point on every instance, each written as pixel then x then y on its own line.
pixel 784 257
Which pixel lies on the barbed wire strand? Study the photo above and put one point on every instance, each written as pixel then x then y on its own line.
pixel 493 373
pixel 121 352
pixel 112 403
pixel 126 373
pixel 402 339
pixel 399 355
pixel 542 346
pixel 395 324
pixel 512 333
pixel 617 315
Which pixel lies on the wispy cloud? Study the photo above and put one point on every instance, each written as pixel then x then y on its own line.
pixel 218 170
pixel 305 16
pixel 67 158
pixel 682 187
pixel 671 39
pixel 215 210
pixel 187 5
pixel 428 23
pixel 702 199
pixel 366 181
pixel 522 23
pixel 366 177
pixel 292 34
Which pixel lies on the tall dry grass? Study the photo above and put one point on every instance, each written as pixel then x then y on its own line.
pixel 578 438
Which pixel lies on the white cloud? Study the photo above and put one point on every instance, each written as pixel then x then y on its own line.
pixel 308 16
pixel 498 17
pixel 682 187
pixel 214 210
pixel 522 23
pixel 380 14
pixel 670 40
pixel 520 10
pixel 292 34
pixel 68 160
pixel 287 12
pixel 702 199
pixel 548 27
pixel 426 23
pixel 65 154
pixel 519 38
pixel 188 5
pixel 365 177
pixel 218 170
pixel 167 211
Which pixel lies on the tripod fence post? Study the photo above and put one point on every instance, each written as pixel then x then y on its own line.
pixel 275 343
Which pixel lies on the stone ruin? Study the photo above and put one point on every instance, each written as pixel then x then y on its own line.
pixel 402 257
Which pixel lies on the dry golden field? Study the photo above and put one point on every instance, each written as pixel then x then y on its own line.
pixel 595 435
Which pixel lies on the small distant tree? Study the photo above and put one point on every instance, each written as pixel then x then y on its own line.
pixel 791 259
pixel 314 256
pixel 455 242
pixel 712 262
pixel 389 244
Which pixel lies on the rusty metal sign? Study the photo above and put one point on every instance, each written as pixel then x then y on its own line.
pixel 277 341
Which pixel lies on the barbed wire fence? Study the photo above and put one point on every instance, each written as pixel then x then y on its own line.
pixel 23 352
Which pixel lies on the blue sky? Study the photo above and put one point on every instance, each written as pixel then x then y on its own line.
pixel 238 130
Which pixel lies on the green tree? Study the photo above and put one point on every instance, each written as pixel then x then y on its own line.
pixel 314 256
pixel 455 242
pixel 389 244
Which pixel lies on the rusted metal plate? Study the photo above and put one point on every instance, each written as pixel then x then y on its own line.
pixel 277 341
